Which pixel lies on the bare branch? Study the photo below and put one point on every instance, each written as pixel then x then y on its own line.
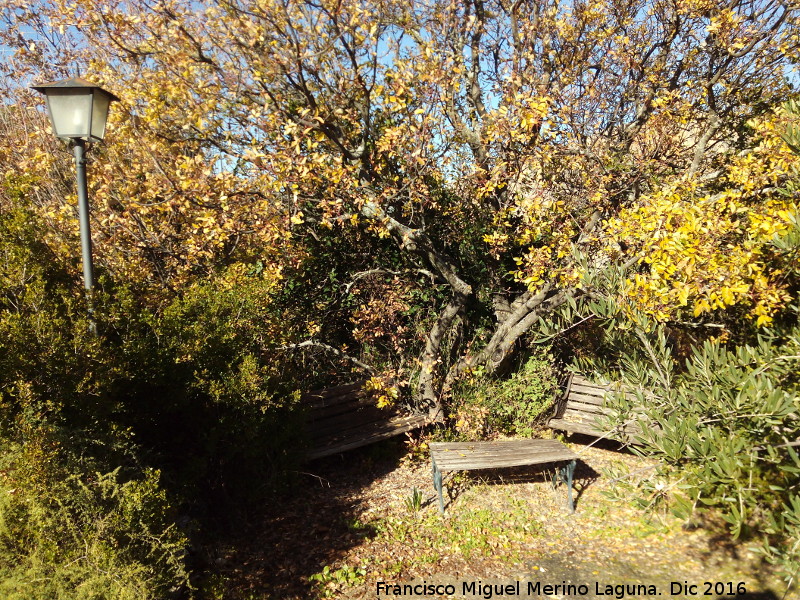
pixel 332 350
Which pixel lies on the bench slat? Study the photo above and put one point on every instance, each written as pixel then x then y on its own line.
pixel 585 398
pixel 590 427
pixel 480 454
pixel 595 409
pixel 575 427
pixel 589 396
pixel 585 386
pixel 579 415
pixel 367 436
pixel 531 444
pixel 587 390
pixel 322 413
pixel 581 380
pixel 317 401
pixel 498 462
pixel 506 449
pixel 347 421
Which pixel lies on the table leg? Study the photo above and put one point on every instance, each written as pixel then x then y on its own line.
pixel 570 469
pixel 437 483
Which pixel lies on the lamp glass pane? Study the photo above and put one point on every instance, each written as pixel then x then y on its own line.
pixel 70 111
pixel 100 114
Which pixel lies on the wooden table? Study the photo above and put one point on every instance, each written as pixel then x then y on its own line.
pixel 468 456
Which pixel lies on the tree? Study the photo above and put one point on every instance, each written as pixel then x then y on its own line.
pixel 502 151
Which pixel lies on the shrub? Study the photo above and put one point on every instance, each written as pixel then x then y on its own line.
pixel 727 420
pixel 101 438
pixel 72 535
pixel 486 407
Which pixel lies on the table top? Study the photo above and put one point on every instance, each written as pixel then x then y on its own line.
pixel 465 456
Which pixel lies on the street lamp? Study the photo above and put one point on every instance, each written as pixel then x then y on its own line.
pixel 78 112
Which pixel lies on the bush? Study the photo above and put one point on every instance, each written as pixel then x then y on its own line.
pixel 102 438
pixel 485 407
pixel 72 535
pixel 195 383
pixel 726 424
pixel 727 418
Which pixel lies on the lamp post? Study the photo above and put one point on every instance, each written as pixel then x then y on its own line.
pixel 78 112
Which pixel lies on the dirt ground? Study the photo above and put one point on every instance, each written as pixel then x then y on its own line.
pixel 355 515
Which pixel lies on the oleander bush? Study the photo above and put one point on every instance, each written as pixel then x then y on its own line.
pixel 726 417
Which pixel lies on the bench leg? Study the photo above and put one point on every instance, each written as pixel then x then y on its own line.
pixel 437 484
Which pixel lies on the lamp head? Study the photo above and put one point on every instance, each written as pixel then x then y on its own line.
pixel 78 108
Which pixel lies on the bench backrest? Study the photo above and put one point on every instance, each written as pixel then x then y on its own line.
pixel 586 397
pixel 332 410
pixel 583 404
pixel 347 417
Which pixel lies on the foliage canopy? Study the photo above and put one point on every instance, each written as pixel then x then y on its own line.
pixel 495 152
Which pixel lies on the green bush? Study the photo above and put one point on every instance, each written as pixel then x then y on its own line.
pixel 726 420
pixel 174 406
pixel 726 423
pixel 71 535
pixel 195 383
pixel 485 407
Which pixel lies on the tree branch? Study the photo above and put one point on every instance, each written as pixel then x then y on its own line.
pixel 331 349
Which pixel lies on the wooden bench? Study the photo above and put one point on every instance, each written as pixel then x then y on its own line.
pixel 467 456
pixel 582 407
pixel 347 416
